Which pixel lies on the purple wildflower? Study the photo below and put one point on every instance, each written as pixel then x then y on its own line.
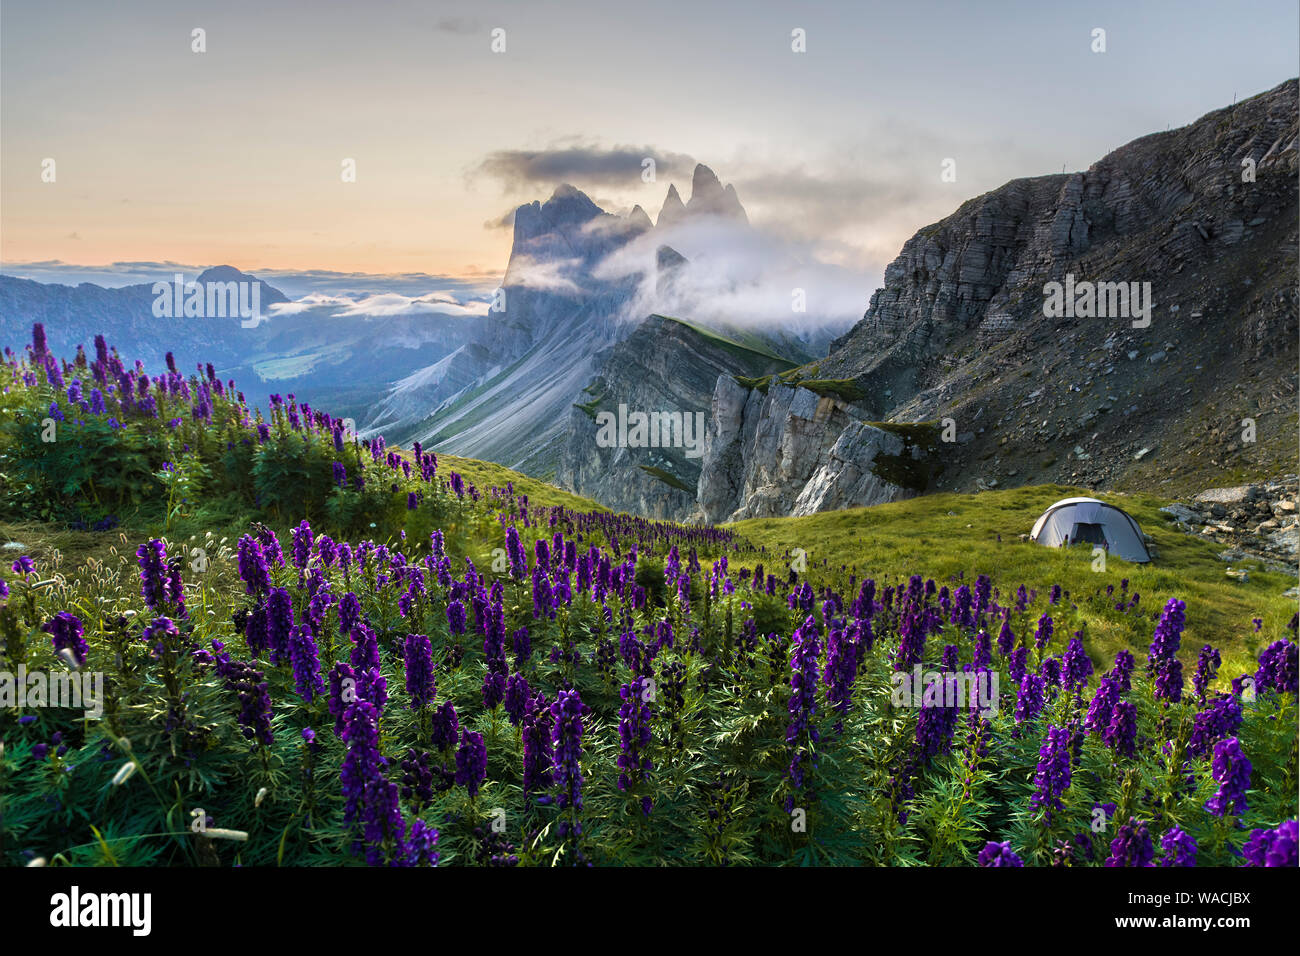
pixel 1168 634
pixel 1044 633
pixel 537 746
pixel 1121 734
pixel 471 762
pixel 1207 665
pixel 1179 848
pixel 999 854
pixel 1132 845
pixel 66 632
pixel 445 729
pixel 370 799
pixel 418 654
pixel 253 566
pixel 306 663
pixel 803 699
pixel 1052 776
pixel 634 735
pixel 456 617
pixel 566 735
pixel 1029 698
pixel 841 671
pixel 1076 667
pixel 1278 668
pixel 1231 768
pixel 1272 847
pixel 517 695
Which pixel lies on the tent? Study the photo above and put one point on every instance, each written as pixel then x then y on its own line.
pixel 1089 521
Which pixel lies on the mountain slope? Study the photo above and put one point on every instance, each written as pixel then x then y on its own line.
pixel 665 365
pixel 73 315
pixel 506 395
pixel 958 330
pixel 308 349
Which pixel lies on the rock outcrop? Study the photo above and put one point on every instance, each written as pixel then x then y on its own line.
pixel 505 395
pixel 774 449
pixel 665 366
pixel 1255 523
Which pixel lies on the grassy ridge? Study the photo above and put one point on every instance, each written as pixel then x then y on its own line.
pixel 739 341
pixel 486 474
pixel 942 535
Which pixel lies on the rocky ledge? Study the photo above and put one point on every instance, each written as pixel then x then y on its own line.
pixel 1255 522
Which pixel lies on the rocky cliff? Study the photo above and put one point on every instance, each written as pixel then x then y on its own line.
pixel 1206 214
pixel 775 449
pixel 665 365
pixel 504 396
pixel 508 394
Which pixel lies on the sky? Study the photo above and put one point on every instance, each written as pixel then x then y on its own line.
pixel 165 156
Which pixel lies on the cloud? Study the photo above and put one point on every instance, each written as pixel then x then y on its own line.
pixel 113 275
pixel 740 276
pixel 855 201
pixel 582 164
pixel 472 282
pixel 543 276
pixel 505 221
pixel 383 304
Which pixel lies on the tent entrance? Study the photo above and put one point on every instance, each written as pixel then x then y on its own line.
pixel 1091 533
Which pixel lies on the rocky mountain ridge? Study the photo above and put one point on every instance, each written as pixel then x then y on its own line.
pixel 508 394
pixel 957 334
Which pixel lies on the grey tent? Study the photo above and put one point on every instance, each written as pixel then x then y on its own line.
pixel 1089 521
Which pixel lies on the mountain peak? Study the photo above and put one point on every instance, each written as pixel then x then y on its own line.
pixel 705 183
pixel 570 203
pixel 667 259
pixel 226 273
pixel 673 210
pixel 708 197
pixel 567 209
pixel 639 218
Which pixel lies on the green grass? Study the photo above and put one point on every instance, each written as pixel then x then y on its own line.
pixel 486 474
pixel 760 382
pixel 738 340
pixel 668 478
pixel 54 546
pixel 941 535
pixel 842 388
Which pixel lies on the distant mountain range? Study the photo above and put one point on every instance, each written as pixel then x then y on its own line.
pixel 345 363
